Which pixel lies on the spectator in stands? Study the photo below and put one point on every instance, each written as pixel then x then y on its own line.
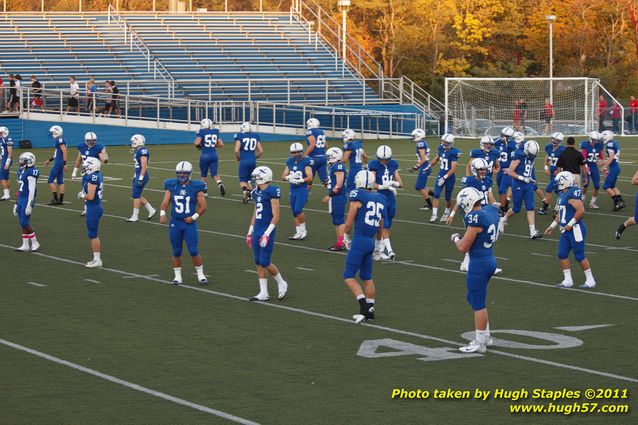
pixel 74 97
pixel 2 88
pixel 91 90
pixel 633 114
pixel 602 113
pixel 108 98
pixel 616 116
pixel 36 92
pixel 13 93
pixel 548 116
pixel 115 104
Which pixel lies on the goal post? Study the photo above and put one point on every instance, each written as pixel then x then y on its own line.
pixel 535 106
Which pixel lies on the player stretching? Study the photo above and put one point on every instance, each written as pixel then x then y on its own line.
pixel 27 189
pixel 387 179
pixel 592 150
pixel 353 154
pixel 611 163
pixel 141 158
pixel 247 150
pixel 481 232
pixel 91 194
pixel 422 166
pixel 189 203
pixel 262 231
pixel 89 149
pixel 59 166
pixel 367 212
pixel 6 157
pixel 503 180
pixel 316 150
pixel 520 170
pixel 448 155
pixel 553 150
pixel 631 221
pixel 208 141
pixel 572 229
pixel 336 197
pixel 298 172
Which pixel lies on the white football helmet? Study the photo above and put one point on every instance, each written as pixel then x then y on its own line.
pixel 333 155
pixel 507 132
pixel 26 160
pixel 348 135
pixel 478 164
pixel 564 179
pixel 312 123
pixel 262 175
pixel 90 138
pixel 246 127
pixel 594 136
pixel 518 137
pixel 296 148
pixel 137 141
pixel 55 131
pixel 467 198
pixel 531 148
pixel 4 132
pixel 184 170
pixel 364 179
pixel 607 136
pixel 91 165
pixel 206 124
pixel 417 135
pixel 384 152
pixel 486 141
pixel 557 138
pixel 447 140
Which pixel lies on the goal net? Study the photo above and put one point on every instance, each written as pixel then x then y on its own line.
pixel 536 106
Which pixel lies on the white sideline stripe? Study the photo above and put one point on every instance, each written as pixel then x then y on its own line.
pixel 136 276
pixel 501 258
pixel 92 281
pixel 349 322
pixel 581 328
pixel 449 260
pixel 250 271
pixel 540 255
pixel 305 269
pixel 127 384
pixel 35 284
pixel 406 263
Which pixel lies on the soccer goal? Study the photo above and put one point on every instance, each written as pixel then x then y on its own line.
pixel 535 106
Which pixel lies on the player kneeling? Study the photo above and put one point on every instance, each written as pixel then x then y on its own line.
pixel 189 203
pixel 572 229
pixel 91 194
pixel 481 233
pixel 367 212
pixel 261 234
pixel 27 182
pixel 336 197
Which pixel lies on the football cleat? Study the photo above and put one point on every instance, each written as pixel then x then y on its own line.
pixel 132 220
pixel 376 255
pixel 594 206
pixel 537 235
pixel 587 285
pixel 259 297
pixel 370 313
pixel 151 215
pixel 498 271
pixel 53 202
pixel 358 318
pixel 295 237
pixel 176 282
pixel 222 189
pixel 501 225
pixel 424 207
pixel 621 228
pixel 391 255
pixel 433 219
pixel 337 247
pixel 282 290
pixel 564 284
pixel 94 263
pixel 463 267
pixel 619 206
pixel 203 282
pixel 5 198
pixel 383 256
pixel 445 216
pixel 23 248
pixel 35 246
pixel 473 347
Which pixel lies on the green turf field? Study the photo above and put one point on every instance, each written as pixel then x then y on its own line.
pixel 193 355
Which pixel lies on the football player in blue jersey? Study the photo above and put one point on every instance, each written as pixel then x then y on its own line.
pixel 353 154
pixel 553 150
pixel 366 214
pixel 387 180
pixel 611 164
pixel 592 150
pixel 89 149
pixel 489 154
pixel 448 155
pixel 262 232
pixel 316 150
pixel 631 221
pixel 208 141
pixel 422 166
pixel 141 160
pixel 91 194
pixel 337 196
pixel 520 170
pixel 189 203
pixel 27 190
pixel 481 233
pixel 503 180
pixel 6 157
pixel 572 229
pixel 298 173
pixel 247 150
pixel 59 166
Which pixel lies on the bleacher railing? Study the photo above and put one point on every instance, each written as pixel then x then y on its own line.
pixel 270 115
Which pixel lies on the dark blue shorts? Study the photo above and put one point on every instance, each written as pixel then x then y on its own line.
pixel 448 186
pixel 422 178
pixel 337 208
pixel 180 231
pixel 136 190
pixel 4 174
pixel 262 255
pixel 359 258
pixel 594 177
pixel 208 163
pixel 298 198
pixel 610 180
pixel 56 174
pixel 522 192
pixel 93 216
pixel 479 272
pixel 574 240
pixel 22 217
pixel 245 170
pixel 319 167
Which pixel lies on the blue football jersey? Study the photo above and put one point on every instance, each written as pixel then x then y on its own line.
pixel 90 152
pixel 320 142
pixel 553 155
pixel 446 158
pixel 209 137
pixel 490 157
pixel 248 145
pixel 355 147
pixel 423 145
pixel 97 180
pixel 337 167
pixel 565 210
pixel 23 182
pixel 373 209
pixel 484 186
pixel 183 197
pixel 5 142
pixel 525 166
pixel 297 170
pixel 612 146
pixel 487 219
pixel 263 207
pixel 383 173
pixel 137 160
pixel 59 158
pixel 501 147
pixel 592 152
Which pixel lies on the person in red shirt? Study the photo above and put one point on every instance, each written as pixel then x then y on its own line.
pixel 602 113
pixel 633 113
pixel 548 116
pixel 616 116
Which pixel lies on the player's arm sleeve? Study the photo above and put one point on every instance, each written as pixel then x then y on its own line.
pixel 32 186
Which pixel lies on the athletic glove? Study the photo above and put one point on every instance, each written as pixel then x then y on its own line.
pixel 393 190
pixel 441 181
pixel 249 237
pixel 81 195
pixel 395 184
pixel 15 210
pixel 140 183
pixel 454 237
pixel 263 241
pixel 28 210
pixel 347 242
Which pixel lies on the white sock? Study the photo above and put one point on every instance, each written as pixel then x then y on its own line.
pixel 568 276
pixel 447 211
pixel 219 183
pixel 263 286
pixel 302 227
pixel 378 245
pixel 589 277
pixel 200 272
pixel 466 260
pixel 386 242
pixel 482 336
pixel 532 229
pixel 84 210
pixel 33 238
pixel 504 219
pixel 149 208
pixel 298 229
pixel 136 213
pixel 370 301
pixel 435 211
pixel 6 193
pixel 360 296
pixel 178 273
pixel 593 199
pixel 278 278
pixel 96 256
pixel 25 241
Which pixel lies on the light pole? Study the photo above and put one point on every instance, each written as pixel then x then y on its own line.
pixel 344 5
pixel 550 20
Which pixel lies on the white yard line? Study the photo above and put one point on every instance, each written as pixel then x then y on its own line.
pixel 36 284
pixel 92 281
